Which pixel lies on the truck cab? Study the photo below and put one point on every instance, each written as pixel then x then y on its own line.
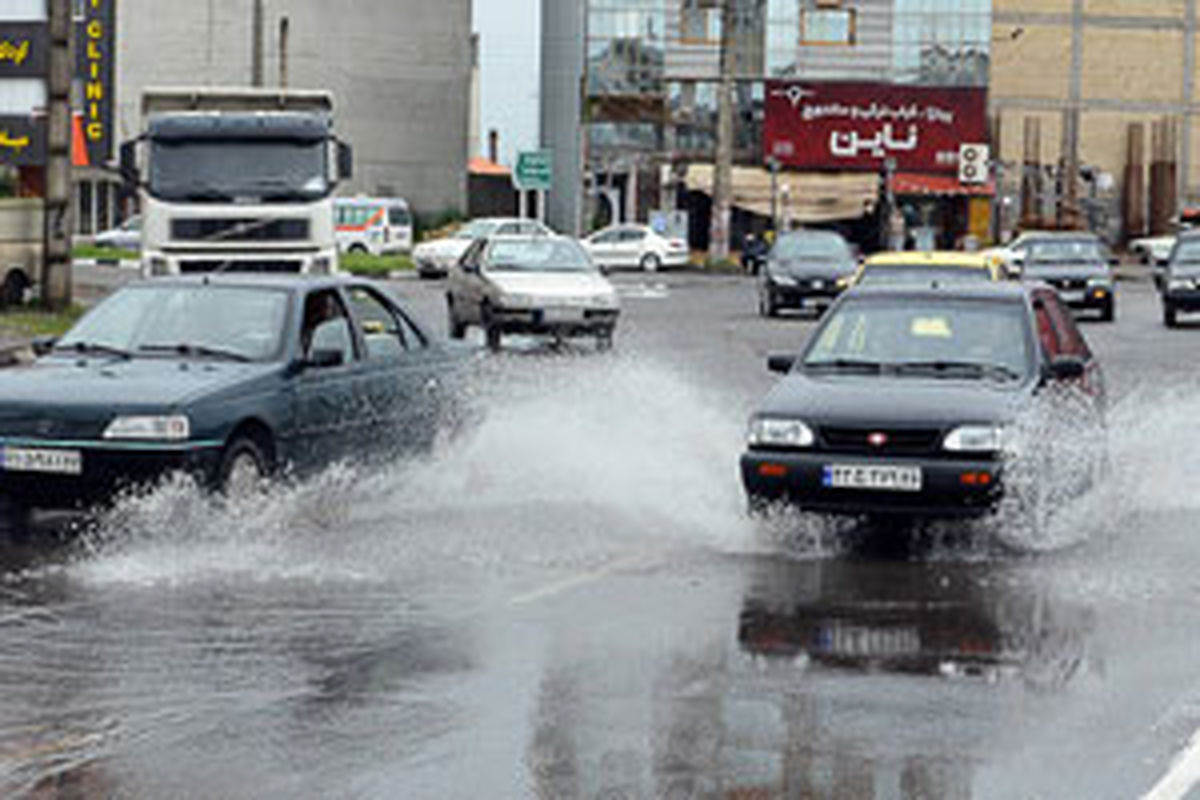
pixel 237 181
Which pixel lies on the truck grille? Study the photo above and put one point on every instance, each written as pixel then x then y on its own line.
pixel 239 230
pixel 192 267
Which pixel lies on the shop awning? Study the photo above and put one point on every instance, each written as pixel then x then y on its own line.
pixel 917 183
pixel 807 197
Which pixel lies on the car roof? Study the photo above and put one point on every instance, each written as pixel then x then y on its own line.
pixel 931 259
pixel 996 291
pixel 1187 235
pixel 526 237
pixel 1060 235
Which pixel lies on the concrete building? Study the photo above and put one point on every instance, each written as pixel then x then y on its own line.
pixel 400 71
pixel 1115 66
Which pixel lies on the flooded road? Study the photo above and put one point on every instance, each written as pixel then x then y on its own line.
pixel 568 601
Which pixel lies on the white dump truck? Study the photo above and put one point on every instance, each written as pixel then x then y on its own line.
pixel 237 180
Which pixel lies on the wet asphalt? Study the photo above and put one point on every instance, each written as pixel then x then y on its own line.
pixel 566 601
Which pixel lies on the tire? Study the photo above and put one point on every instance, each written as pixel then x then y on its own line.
pixel 491 331
pixel 12 293
pixel 1170 315
pixel 766 303
pixel 244 468
pixel 15 518
pixel 458 330
pixel 1109 312
pixel 604 340
pixel 651 263
pixel 358 249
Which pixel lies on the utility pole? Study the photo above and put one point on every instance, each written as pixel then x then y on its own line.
pixel 257 32
pixel 56 267
pixel 723 169
pixel 284 36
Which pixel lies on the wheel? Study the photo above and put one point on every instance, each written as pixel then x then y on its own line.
pixel 458 329
pixel 604 340
pixel 358 249
pixel 12 293
pixel 1109 312
pixel 244 468
pixel 766 303
pixel 491 331
pixel 14 521
pixel 1170 315
pixel 651 263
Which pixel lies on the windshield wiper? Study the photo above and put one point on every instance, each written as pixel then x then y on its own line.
pixel 978 368
pixel 94 349
pixel 196 350
pixel 847 364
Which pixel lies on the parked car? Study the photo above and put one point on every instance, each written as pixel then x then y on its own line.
pixel 635 247
pixel 1180 285
pixel 435 258
pixel 543 285
pixel 229 378
pixel 126 236
pixel 905 403
pixel 1152 251
pixel 899 269
pixel 1078 266
pixel 376 225
pixel 805 269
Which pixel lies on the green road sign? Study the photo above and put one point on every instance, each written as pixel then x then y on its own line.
pixel 535 170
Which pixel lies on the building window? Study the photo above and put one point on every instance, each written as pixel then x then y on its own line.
pixel 828 26
pixel 700 22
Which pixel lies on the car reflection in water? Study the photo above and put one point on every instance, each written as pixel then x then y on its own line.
pixel 951 621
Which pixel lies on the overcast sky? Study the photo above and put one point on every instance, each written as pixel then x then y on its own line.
pixel 509 31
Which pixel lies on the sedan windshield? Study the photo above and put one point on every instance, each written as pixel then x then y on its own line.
pixel 909 274
pixel 812 246
pixel 1059 253
pixel 1186 257
pixel 478 229
pixel 222 171
pixel 538 255
pixel 190 321
pixel 952 338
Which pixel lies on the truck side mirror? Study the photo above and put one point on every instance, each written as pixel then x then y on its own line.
pixel 345 161
pixel 129 165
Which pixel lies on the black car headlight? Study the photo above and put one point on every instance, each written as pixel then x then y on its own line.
pixel 174 428
pixel 780 432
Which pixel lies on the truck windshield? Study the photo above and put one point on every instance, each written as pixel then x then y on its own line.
pixel 233 170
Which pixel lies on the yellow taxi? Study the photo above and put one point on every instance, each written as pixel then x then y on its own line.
pixel 904 269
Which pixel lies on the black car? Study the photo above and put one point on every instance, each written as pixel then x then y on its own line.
pixel 229 378
pixel 904 401
pixel 804 269
pixel 1078 266
pixel 1180 285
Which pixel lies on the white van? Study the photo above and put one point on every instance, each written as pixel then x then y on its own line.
pixel 375 225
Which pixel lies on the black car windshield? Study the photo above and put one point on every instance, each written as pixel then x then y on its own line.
pixel 244 324
pixel 537 255
pixel 1067 252
pixel 477 229
pixel 250 170
pixel 944 338
pixel 909 274
pixel 1186 257
pixel 812 246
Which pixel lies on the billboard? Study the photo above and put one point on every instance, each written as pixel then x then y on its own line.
pixel 860 126
pixel 95 52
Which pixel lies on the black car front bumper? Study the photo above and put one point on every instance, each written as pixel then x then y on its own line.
pixel 803 292
pixel 950 488
pixel 108 471
pixel 1183 300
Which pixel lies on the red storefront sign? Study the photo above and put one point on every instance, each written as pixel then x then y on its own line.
pixel 858 126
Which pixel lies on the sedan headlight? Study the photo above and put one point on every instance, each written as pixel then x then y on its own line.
pixel 174 428
pixel 976 439
pixel 776 432
pixel 782 279
pixel 1181 284
pixel 518 301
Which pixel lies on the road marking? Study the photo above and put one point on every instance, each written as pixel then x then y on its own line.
pixel 573 582
pixel 644 291
pixel 1183 776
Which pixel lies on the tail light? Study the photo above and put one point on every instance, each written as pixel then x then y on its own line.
pixel 677 244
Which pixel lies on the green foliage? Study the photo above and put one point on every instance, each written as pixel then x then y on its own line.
pixel 30 322
pixel 369 266
pixel 431 226
pixel 91 251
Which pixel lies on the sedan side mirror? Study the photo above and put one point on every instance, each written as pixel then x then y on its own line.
pixel 324 359
pixel 1066 368
pixel 43 345
pixel 782 364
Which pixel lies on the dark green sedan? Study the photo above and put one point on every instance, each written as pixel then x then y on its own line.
pixel 229 378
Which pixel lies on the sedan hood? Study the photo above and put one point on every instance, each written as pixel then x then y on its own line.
pixel 556 285
pixel 106 383
pixel 873 400
pixel 443 248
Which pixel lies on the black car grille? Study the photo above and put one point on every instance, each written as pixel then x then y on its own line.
pixel 881 441
pixel 239 230
pixel 192 267
pixel 34 426
pixel 1068 284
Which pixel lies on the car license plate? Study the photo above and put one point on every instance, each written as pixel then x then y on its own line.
pixel 874 478
pixel 1071 297
pixel 54 462
pixel 562 315
pixel 859 641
